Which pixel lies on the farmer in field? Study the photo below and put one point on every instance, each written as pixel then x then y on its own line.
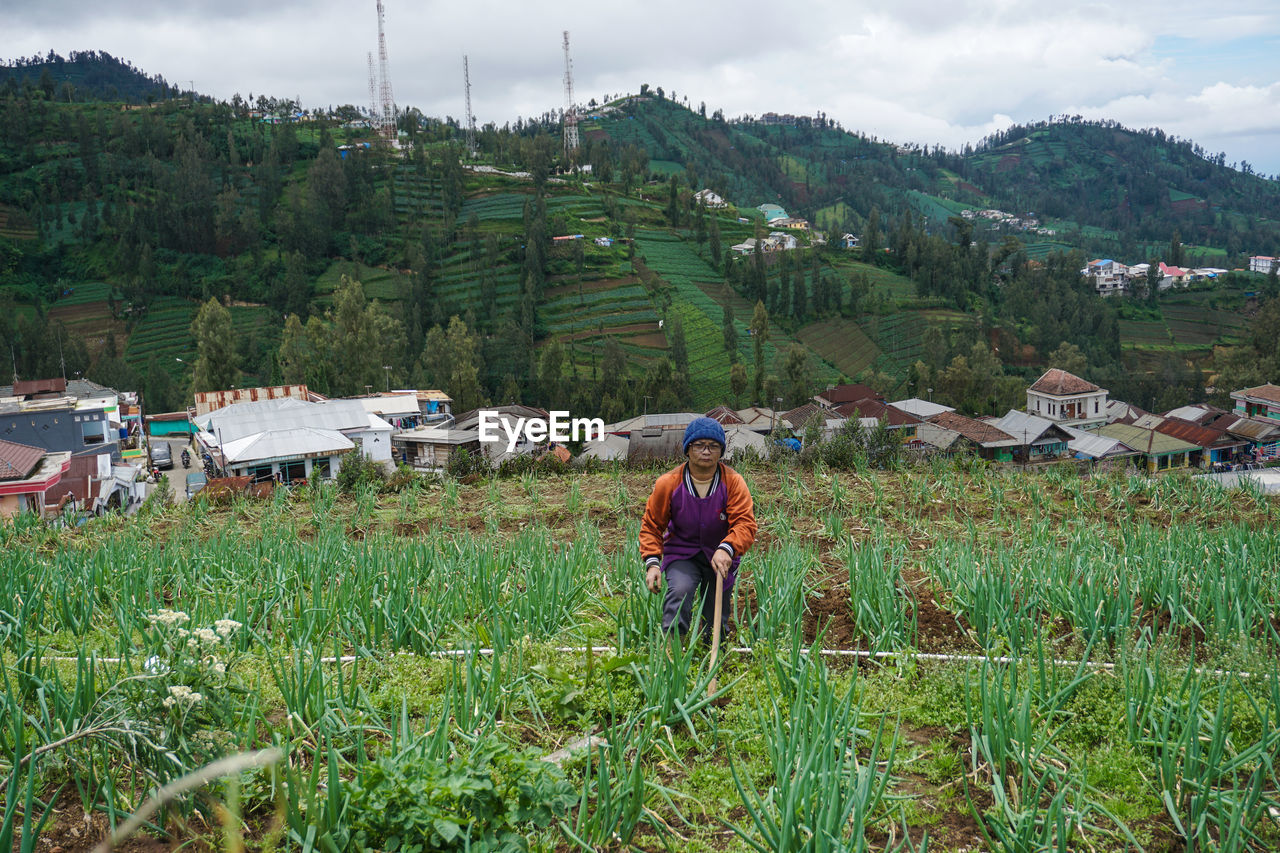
pixel 698 523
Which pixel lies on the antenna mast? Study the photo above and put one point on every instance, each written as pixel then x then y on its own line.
pixel 388 102
pixel 471 119
pixel 570 112
pixel 373 94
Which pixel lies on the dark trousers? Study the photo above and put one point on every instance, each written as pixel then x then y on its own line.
pixel 686 580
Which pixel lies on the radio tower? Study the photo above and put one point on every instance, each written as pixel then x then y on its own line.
pixel 388 117
pixel 471 119
pixel 570 112
pixel 374 112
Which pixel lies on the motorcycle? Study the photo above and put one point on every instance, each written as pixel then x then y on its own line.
pixel 186 459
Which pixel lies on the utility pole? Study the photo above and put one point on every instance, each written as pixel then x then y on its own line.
pixel 471 119
pixel 570 112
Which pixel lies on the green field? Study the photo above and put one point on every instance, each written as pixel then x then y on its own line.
pixel 1000 659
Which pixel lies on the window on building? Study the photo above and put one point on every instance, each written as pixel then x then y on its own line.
pixel 295 471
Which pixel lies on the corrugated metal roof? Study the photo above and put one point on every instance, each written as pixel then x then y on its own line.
pixel 285 444
pixel 1147 441
pixel 1095 446
pixel 244 419
pixel 1030 428
pixel 1198 435
pixel 922 409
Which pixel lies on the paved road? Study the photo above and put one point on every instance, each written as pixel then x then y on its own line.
pixel 178 474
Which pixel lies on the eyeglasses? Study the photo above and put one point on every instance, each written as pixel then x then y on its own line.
pixel 705 446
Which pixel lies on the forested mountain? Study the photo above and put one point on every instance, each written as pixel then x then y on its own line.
pixel 84 76
pixel 183 244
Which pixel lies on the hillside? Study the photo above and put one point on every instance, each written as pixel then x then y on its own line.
pixel 84 76
pixel 607 292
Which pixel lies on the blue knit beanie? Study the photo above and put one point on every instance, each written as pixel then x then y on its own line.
pixel 703 428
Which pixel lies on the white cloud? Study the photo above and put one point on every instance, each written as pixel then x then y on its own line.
pixel 918 70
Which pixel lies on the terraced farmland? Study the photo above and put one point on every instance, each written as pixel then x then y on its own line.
pixel 378 283
pixel 15 224
pixel 417 196
pixel 165 332
pixel 1144 333
pixel 842 343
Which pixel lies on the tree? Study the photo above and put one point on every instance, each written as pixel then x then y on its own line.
pixel 871 237
pixel 216 366
pixel 464 373
pixel 797 374
pixel 737 382
pixel 730 332
pixel 759 335
pixel 1070 358
pixel 679 347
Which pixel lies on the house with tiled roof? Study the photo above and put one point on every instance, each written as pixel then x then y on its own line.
pixel 1263 436
pixel 27 474
pixel 985 439
pixel 1159 452
pixel 798 417
pixel 1065 398
pixel 1214 446
pixel 725 416
pixel 837 395
pixel 1262 401
pixel 893 418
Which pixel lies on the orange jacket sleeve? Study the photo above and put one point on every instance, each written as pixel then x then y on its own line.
pixel 741 512
pixel 657 514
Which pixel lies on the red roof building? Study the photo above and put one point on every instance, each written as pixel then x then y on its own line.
pixel 26 476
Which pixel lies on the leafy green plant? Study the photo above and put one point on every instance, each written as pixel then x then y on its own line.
pixel 489 798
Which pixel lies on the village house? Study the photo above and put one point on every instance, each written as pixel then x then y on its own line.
pixel 1092 447
pixel 709 199
pixel 27 474
pixel 985 439
pixel 1159 452
pixel 95 424
pixel 288 439
pixel 1067 399
pixel 427 449
pixel 880 412
pixel 746 247
pixel 849 241
pixel 1214 447
pixel 1262 401
pixel 1263 264
pixel 771 212
pixel 1262 435
pixel 1040 439
pixel 1108 277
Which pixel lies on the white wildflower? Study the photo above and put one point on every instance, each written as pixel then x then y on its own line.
pixel 207 635
pixel 180 694
pixel 225 627
pixel 219 667
pixel 168 617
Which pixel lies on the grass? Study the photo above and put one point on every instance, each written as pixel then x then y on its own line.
pixel 1158 578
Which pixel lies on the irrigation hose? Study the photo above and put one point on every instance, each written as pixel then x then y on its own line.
pixel 905 654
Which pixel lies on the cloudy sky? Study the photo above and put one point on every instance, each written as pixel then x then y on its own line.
pixel 913 71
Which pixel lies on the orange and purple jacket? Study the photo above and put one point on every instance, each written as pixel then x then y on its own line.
pixel 678 524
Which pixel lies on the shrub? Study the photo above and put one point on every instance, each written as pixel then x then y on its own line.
pixel 359 470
